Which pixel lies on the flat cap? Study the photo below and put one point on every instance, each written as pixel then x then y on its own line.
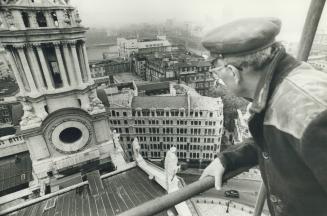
pixel 242 36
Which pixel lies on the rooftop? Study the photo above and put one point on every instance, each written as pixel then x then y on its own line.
pixel 127 77
pixel 153 86
pixel 8 87
pixel 109 197
pixel 204 103
pixel 160 102
pixel 15 172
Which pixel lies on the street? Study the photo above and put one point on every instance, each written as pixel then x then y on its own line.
pixel 248 190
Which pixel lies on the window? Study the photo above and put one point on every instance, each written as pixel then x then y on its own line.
pixel 26 20
pixel 56 73
pixel 40 19
pixel 54 18
pixel 160 112
pixel 145 112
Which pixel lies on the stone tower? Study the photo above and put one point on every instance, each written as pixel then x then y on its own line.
pixel 64 124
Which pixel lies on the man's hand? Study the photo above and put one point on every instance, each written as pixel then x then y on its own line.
pixel 215 169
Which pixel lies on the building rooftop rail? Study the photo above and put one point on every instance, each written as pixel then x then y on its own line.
pixel 167 201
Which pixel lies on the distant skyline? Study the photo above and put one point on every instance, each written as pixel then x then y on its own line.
pixel 210 13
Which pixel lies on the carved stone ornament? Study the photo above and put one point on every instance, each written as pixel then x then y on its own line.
pixel 29 116
pixel 7 2
pixel 10 19
pixel 77 17
pixel 67 17
pixel 115 137
pixel 136 148
pixel 96 105
pixel 171 166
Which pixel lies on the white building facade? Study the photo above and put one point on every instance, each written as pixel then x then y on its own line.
pixel 127 47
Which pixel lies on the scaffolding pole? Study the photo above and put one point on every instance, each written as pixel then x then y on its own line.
pixel 310 28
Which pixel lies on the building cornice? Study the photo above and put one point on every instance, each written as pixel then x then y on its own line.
pixel 58 94
pixel 44 35
pixel 37 7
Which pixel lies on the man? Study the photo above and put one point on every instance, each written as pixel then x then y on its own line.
pixel 289 116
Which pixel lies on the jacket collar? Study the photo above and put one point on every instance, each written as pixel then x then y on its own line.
pixel 277 69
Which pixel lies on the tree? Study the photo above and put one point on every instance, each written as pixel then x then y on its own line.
pixel 231 104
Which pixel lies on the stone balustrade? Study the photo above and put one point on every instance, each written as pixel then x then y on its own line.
pixel 11 140
pixel 12 144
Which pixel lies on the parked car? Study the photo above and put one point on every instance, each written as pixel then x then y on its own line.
pixel 232 194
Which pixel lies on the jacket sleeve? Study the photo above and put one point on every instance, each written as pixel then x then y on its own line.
pixel 238 156
pixel 313 148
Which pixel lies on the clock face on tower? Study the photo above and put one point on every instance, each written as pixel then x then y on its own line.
pixel 69 135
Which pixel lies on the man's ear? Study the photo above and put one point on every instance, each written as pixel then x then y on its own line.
pixel 236 73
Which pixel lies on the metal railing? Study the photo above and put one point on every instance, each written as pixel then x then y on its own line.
pixel 169 200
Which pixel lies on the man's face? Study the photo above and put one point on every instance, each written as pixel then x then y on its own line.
pixel 228 76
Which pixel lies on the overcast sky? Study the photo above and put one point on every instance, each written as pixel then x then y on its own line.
pixel 107 13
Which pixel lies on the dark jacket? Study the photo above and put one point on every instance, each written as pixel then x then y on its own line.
pixel 289 129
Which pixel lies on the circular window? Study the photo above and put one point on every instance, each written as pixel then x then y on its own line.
pixel 70 135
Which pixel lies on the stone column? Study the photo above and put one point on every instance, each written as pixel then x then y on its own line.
pixel 69 65
pixel 17 21
pixel 27 70
pixel 48 19
pixel 61 65
pixel 86 62
pixel 16 73
pixel 35 68
pixel 81 58
pixel 20 68
pixel 45 68
pixel 61 18
pixel 32 20
pixel 76 64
